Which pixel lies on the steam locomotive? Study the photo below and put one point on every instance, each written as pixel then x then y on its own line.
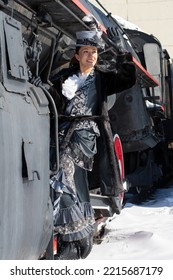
pixel 36 42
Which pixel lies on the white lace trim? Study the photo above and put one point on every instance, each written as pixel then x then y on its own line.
pixel 72 84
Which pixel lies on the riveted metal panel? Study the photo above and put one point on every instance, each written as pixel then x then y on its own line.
pixel 25 207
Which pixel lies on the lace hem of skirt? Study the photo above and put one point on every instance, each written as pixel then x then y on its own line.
pixel 75 222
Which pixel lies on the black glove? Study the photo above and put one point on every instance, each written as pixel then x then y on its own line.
pixel 114 36
pixel 36 81
pixel 124 57
pixel 112 33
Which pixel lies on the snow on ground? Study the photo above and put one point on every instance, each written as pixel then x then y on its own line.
pixel 140 232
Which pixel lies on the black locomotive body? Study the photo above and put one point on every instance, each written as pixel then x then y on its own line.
pixel 36 42
pixel 25 206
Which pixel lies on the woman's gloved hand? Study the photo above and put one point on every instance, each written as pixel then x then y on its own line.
pixel 124 57
pixel 115 38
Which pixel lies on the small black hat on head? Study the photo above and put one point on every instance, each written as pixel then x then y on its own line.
pixel 88 38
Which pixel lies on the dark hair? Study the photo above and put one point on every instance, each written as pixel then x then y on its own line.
pixel 74 62
pixel 77 49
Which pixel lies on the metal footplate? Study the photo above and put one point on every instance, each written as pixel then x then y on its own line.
pixel 105 205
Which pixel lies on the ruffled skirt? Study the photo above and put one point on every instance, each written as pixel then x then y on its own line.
pixel 73 213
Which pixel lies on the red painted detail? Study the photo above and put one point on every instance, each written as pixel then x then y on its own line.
pixel 145 71
pixel 121 197
pixel 83 9
pixel 55 244
pixel 162 108
pixel 119 154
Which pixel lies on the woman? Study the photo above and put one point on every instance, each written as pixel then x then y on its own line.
pixel 81 97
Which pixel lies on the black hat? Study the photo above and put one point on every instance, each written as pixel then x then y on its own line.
pixel 89 38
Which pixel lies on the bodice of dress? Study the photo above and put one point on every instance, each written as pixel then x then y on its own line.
pixel 82 145
pixel 85 100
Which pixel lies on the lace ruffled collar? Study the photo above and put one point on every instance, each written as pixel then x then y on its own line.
pixel 72 84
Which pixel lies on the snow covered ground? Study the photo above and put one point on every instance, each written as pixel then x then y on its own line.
pixel 139 239
pixel 140 232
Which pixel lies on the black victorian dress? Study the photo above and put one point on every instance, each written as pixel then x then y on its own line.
pixel 73 213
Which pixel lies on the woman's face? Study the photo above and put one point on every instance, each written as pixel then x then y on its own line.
pixel 87 57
